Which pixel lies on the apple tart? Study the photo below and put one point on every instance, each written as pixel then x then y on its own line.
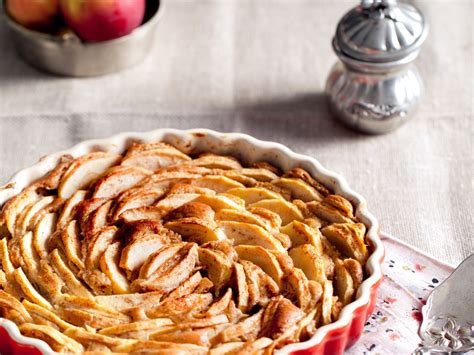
pixel 158 251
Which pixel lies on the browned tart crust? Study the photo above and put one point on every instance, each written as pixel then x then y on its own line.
pixel 157 251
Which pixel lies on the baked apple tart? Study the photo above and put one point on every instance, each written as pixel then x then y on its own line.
pixel 158 251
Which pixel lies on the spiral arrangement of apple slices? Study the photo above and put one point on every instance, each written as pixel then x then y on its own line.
pixel 157 251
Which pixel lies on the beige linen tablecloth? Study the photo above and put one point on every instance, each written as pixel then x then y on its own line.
pixel 259 67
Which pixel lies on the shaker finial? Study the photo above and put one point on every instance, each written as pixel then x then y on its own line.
pixel 368 4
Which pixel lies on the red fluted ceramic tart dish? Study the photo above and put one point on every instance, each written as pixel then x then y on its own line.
pixel 184 242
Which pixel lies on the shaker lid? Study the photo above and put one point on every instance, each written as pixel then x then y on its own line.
pixel 381 31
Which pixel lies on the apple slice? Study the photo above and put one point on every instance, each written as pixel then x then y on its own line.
pixel 250 234
pixel 84 209
pixel 15 206
pixel 343 283
pixel 188 286
pixel 67 275
pixel 153 156
pixel 132 231
pixel 240 216
pixel 96 220
pixel 186 188
pixel 307 325
pixel 327 301
pixel 81 311
pixel 269 313
pixel 146 326
pixel 284 317
pixel 98 245
pixel 307 258
pixel 236 176
pixel 297 288
pixel 171 202
pixel 217 183
pixel 334 208
pixel 204 286
pixel 192 209
pixel 224 247
pixel 262 258
pixel 29 255
pixel 196 230
pixel 302 174
pixel 160 347
pixel 264 288
pixel 84 170
pixel 163 255
pixel 221 305
pixel 194 302
pixel 204 322
pixel 255 346
pixel 73 284
pixel 348 238
pixel 221 201
pixel 87 337
pixel 299 189
pixel 252 280
pixel 118 179
pixel 242 287
pixel 272 219
pixel 152 213
pixel 254 194
pixel 47 280
pixel 109 266
pixel 354 268
pixel 3 280
pixel 139 250
pixel 57 340
pixel 248 327
pixel 166 178
pixel 287 211
pixel 43 232
pixel 217 266
pixel 68 209
pixel 300 233
pixel 125 302
pixel 97 281
pixel 30 292
pixel 23 220
pixel 341 204
pixel 170 276
pixel 259 174
pixel 141 198
pixel 12 309
pixel 213 161
pixel 227 348
pixel 258 216
pixel 42 315
pixel 200 337
pixel 72 245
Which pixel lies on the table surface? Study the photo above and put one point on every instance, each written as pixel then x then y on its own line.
pixel 259 67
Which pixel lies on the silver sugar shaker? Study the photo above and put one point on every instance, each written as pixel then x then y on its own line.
pixel 375 87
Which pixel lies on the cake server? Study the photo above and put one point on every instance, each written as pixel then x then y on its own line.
pixel 448 316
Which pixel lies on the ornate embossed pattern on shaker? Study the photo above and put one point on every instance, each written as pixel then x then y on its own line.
pixel 375 88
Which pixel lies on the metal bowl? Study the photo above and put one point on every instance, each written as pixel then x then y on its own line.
pixel 67 55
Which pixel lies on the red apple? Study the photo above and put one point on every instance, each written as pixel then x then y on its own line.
pixel 102 20
pixel 34 14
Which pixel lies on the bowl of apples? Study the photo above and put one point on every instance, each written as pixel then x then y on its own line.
pixel 82 37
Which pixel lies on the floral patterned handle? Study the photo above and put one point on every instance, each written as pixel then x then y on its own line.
pixel 445 334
